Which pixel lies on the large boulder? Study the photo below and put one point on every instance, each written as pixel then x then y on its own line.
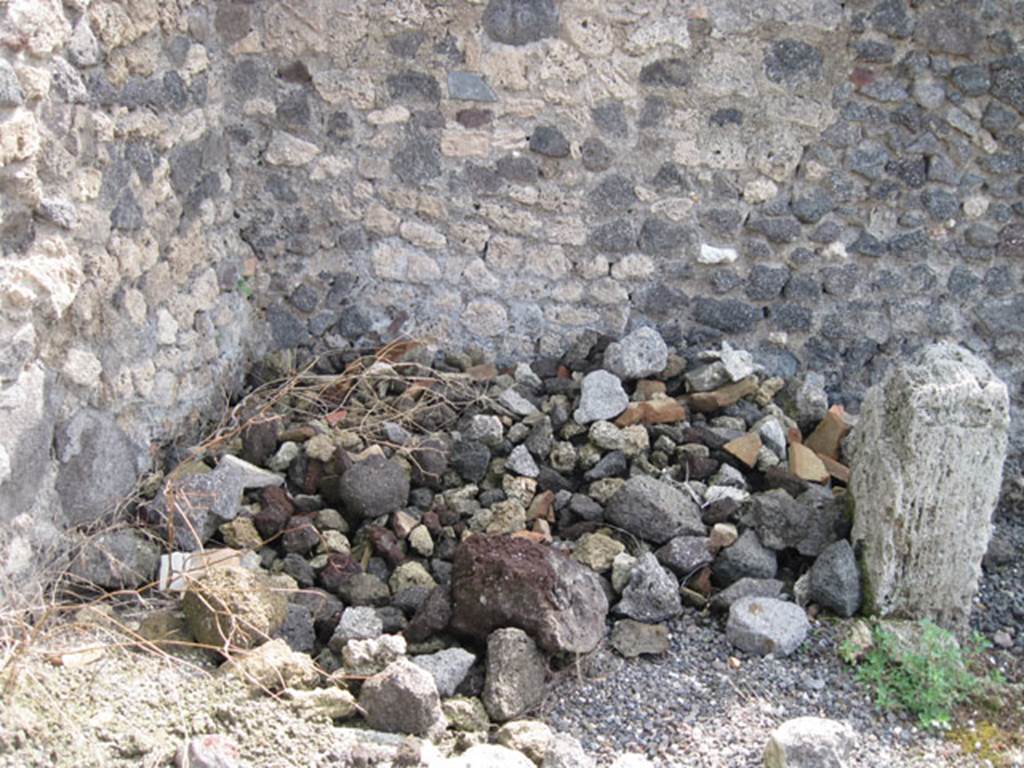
pixel 928 454
pixel 654 510
pixel 233 607
pixel 402 699
pixel 506 581
pixel 515 674
pixel 809 742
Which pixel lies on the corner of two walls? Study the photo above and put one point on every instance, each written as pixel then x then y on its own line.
pixel 187 183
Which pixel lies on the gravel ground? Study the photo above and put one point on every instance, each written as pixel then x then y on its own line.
pixel 691 709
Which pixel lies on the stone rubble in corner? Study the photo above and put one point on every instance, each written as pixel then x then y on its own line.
pixel 449 569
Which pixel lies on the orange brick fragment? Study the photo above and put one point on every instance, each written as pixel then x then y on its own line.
pixel 745 448
pixel 661 410
pixel 805 464
pixel 705 402
pixel 829 433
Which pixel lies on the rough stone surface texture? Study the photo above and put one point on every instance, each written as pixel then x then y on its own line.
pixel 503 581
pixel 928 457
pixel 766 625
pixel 809 742
pixel 190 185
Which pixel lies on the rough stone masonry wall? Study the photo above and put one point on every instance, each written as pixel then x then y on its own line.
pixel 188 183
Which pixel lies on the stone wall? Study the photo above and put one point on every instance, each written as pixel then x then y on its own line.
pixel 185 184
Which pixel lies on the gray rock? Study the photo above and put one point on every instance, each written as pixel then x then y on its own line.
pixel 764 625
pixel 641 353
pixel 633 638
pixel 298 630
pixel 412 86
pixel 516 403
pixel 204 502
pixel 683 555
pixel 654 510
pixel 809 742
pixel 488 429
pixel 746 558
pixel 356 623
pixel 549 141
pixel 835 580
pixel 448 667
pixel 652 593
pixel 928 453
pixel 371 488
pixel 811 401
pixel 707 377
pixel 83 49
pixel 565 751
pixel 948 31
pixel 792 61
pixel 418 160
pixel 514 681
pixel 364 589
pixel 10 89
pixel 471 459
pixel 602 398
pixel 518 22
pixel 728 315
pixel 98 465
pixel 469 86
pixel 745 587
pixel 808 524
pixel 521 462
pixel 120 559
pixel 402 699
pixel 667 73
pixel 617 236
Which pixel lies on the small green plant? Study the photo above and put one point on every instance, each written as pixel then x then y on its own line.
pixel 243 287
pixel 925 671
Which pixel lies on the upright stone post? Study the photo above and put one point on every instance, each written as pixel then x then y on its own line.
pixel 927 462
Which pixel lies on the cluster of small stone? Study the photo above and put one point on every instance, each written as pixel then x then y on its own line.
pixel 450 567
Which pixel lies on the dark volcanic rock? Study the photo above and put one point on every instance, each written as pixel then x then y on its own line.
pixel 503 581
pixel 654 510
pixel 808 524
pixel 370 488
pixel 746 558
pixel 518 22
pixel 835 580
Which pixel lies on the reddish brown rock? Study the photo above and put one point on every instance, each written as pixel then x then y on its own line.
pixel 300 536
pixel 706 402
pixel 659 410
pixel 504 581
pixel 275 512
pixel 432 617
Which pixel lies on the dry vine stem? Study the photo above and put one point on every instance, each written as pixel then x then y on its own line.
pixel 356 400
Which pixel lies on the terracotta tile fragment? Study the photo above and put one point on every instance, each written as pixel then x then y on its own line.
pixel 744 448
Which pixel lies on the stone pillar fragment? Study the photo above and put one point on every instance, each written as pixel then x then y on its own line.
pixel 928 454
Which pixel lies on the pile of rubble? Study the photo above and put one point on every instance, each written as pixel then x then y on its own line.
pixel 443 533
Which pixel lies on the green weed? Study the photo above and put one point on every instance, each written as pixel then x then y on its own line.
pixel 924 671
